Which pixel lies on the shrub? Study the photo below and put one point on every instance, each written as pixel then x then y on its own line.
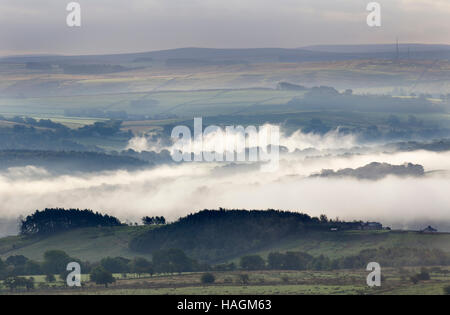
pixel 423 275
pixel 285 279
pixel 50 278
pixel 253 262
pixel 19 282
pixel 100 275
pixel 51 221
pixel 447 290
pixel 414 279
pixel 208 278
pixel 244 279
pixel 228 280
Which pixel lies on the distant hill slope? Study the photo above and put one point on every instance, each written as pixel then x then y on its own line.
pixel 93 244
pixel 216 236
pixel 377 48
pixel 90 244
pixel 69 161
pixel 309 53
pixel 346 243
pixel 212 236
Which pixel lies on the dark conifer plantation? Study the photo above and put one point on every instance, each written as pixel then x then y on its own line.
pixel 51 221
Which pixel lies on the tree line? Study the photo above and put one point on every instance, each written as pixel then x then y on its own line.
pixel 387 257
pixel 218 234
pixel 16 267
pixel 50 221
pixel 153 220
pixel 29 133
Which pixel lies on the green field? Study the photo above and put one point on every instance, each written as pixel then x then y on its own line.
pixel 90 244
pixel 93 244
pixel 335 245
pixel 343 282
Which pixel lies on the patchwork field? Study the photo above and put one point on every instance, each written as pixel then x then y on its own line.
pixel 210 90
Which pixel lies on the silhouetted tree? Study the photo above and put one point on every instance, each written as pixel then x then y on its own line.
pixel 171 261
pixel 55 262
pixel 52 221
pixel 50 278
pixel 141 265
pixel 208 278
pixel 253 262
pixel 153 220
pixel 116 265
pixel 101 276
pixel 19 282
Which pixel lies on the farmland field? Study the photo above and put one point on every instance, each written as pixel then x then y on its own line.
pixel 345 282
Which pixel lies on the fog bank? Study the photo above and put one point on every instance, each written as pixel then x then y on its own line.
pixel 174 191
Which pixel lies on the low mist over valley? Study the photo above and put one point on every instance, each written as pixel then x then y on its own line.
pixel 364 132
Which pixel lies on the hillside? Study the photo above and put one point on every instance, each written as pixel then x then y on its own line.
pixel 216 236
pixel 90 244
pixel 308 53
pixel 93 244
pixel 340 244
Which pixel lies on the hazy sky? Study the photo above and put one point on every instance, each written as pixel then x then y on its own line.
pixel 114 26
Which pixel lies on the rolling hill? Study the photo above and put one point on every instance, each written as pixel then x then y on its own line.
pixel 253 55
pixel 93 244
pixel 90 244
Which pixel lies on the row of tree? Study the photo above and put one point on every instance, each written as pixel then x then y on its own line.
pixel 52 221
pixel 14 268
pixel 153 220
pixel 387 257
pixel 56 261
pixel 172 261
pixel 103 128
pixel 44 134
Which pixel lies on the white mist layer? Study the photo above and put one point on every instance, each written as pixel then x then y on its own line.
pixel 174 191
pixel 298 140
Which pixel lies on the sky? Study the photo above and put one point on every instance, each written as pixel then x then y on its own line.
pixel 117 26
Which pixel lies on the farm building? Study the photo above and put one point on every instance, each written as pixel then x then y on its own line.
pixel 371 226
pixel 429 229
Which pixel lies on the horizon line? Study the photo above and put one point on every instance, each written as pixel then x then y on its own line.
pixel 46 54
